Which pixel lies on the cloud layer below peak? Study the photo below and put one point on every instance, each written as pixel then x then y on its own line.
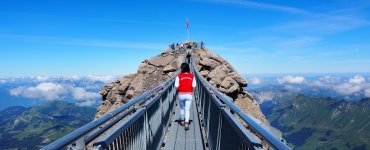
pixel 289 79
pixel 45 90
pixel 84 91
pixel 343 87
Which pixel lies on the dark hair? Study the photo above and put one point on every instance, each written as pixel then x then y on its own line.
pixel 185 68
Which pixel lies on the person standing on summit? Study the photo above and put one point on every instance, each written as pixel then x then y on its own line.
pixel 185 83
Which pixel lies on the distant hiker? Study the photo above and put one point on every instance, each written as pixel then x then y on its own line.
pixel 202 45
pixel 173 46
pixel 185 82
pixel 177 46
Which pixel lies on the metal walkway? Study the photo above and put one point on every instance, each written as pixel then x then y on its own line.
pixel 179 139
pixel 151 122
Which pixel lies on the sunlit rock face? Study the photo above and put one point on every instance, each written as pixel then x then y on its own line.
pixel 222 75
pixel 158 69
pixel 151 73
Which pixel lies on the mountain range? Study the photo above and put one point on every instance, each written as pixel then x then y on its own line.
pixel 313 114
pixel 33 127
pixel 317 122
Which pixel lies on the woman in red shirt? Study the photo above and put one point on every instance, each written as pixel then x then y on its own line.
pixel 185 82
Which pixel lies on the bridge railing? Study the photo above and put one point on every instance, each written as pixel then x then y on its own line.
pixel 222 129
pixel 145 129
pixel 79 138
pixel 144 126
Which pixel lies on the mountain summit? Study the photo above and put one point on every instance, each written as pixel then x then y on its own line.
pixel 162 67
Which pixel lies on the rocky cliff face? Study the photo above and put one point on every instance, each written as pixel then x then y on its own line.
pixel 151 73
pixel 159 68
pixel 228 81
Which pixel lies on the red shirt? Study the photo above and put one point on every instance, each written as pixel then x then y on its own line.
pixel 185 83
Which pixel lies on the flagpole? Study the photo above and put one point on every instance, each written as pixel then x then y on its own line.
pixel 187 26
pixel 188 33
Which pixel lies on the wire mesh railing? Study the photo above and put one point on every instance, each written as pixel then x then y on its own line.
pixel 79 138
pixel 222 129
pixel 144 129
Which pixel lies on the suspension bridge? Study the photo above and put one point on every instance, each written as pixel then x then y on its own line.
pixel 151 122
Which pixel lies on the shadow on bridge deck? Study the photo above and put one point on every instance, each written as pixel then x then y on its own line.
pixel 179 139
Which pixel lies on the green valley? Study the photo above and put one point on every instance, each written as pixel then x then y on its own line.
pixel 313 122
pixel 31 128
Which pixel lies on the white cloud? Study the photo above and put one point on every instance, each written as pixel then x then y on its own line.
pixel 46 90
pixel 79 93
pixel 367 92
pixel 50 91
pixel 2 81
pixel 86 103
pixel 330 79
pixel 357 80
pixel 327 25
pixel 326 82
pixel 317 23
pixel 291 80
pixel 105 79
pixel 256 81
pixel 74 78
pixel 41 78
pixel 292 88
pixel 353 86
pixel 347 89
pixel 299 42
pixel 262 5
pixel 265 96
pixel 318 83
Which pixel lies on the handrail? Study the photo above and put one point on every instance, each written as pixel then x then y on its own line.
pixel 111 136
pixel 86 129
pixel 82 134
pixel 141 116
pixel 269 137
pixel 107 126
pixel 253 140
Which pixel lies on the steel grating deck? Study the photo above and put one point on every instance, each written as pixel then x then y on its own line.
pixel 179 139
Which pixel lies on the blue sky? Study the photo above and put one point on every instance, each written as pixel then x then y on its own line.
pixel 54 38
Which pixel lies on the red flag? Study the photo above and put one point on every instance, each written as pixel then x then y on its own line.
pixel 187 23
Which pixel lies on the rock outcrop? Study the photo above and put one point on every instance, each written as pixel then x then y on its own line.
pixel 158 69
pixel 151 73
pixel 223 76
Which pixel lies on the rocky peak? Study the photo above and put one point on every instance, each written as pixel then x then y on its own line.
pixel 159 68
pixel 222 75
pixel 151 73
